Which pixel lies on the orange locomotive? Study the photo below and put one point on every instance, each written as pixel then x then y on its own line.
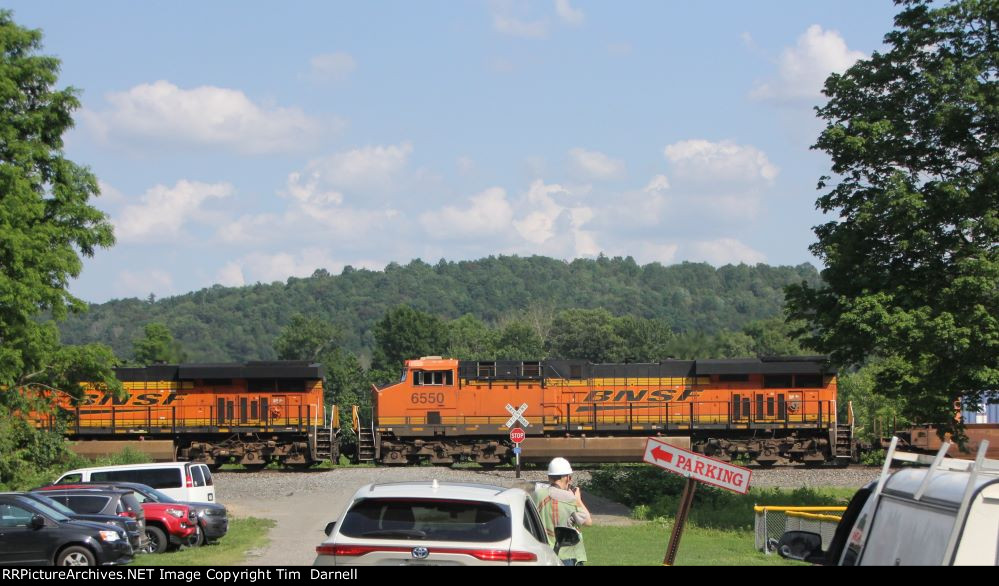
pixel 249 413
pixel 446 410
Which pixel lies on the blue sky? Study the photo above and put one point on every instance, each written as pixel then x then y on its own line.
pixel 244 142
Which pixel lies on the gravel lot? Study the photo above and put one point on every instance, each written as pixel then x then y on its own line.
pixel 302 503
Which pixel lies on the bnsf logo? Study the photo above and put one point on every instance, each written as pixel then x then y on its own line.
pixel 143 400
pixel 628 396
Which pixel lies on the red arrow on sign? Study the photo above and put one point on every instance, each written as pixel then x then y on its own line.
pixel 661 454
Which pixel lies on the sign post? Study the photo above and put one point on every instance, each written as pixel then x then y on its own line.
pixel 517 415
pixel 696 468
pixel 517 435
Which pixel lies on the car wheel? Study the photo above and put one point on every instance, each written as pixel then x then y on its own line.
pixel 158 541
pixel 76 555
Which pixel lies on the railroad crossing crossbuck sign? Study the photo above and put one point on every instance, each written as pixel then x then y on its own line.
pixel 517 415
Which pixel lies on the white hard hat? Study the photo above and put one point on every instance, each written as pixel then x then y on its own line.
pixel 559 467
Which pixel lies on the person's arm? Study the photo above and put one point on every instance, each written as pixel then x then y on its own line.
pixel 582 515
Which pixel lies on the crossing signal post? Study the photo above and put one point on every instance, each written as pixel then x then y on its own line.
pixel 517 435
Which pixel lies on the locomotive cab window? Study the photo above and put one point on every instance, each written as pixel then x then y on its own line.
pixel 433 377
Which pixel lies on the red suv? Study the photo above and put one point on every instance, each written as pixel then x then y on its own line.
pixel 167 525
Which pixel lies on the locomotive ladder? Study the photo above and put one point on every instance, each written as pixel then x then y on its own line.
pixel 365 442
pixel 844 449
pixel 324 444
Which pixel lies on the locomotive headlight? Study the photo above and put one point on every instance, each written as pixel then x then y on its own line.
pixel 176 513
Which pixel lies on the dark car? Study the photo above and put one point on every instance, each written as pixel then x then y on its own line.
pixel 34 534
pixel 112 501
pixel 213 520
pixel 167 525
pixel 136 534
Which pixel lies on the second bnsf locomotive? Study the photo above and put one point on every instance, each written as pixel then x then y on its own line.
pixel 250 414
pixel 770 409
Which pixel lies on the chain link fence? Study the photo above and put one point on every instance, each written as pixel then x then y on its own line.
pixel 771 522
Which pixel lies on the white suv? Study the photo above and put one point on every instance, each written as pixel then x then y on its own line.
pixel 431 523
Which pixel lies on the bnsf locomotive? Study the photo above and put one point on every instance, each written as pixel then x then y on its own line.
pixel 248 413
pixel 444 410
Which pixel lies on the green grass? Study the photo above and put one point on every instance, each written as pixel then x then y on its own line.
pixel 645 545
pixel 244 535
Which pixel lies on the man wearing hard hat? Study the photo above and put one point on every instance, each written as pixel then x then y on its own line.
pixel 561 505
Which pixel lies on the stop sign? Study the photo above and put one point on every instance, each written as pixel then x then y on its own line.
pixel 517 435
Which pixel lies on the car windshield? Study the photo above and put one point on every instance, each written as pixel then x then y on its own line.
pixel 54 504
pixel 46 510
pixel 426 519
pixel 150 494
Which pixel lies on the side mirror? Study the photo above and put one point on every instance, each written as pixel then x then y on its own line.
pixel 329 528
pixel 565 537
pixel 37 522
pixel 803 546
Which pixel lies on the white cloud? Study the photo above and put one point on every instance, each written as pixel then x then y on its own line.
pixel 279 266
pixel 231 275
pixel 488 213
pixel 164 211
pixel 724 251
pixel 704 161
pixel 649 252
pixel 142 283
pixel 568 14
pixel 375 167
pixel 506 23
pixel 269 267
pixel 595 165
pixel 332 66
pixel 803 69
pixel 109 194
pixel 551 228
pixel 205 116
pixel 657 184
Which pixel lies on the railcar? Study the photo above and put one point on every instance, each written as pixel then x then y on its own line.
pixel 249 413
pixel 768 409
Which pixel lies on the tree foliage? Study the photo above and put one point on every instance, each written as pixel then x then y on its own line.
pixel 230 324
pixel 46 222
pixel 318 341
pixel 405 333
pixel 158 345
pixel 46 225
pixel 912 262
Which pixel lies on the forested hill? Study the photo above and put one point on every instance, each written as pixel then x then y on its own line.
pixel 224 323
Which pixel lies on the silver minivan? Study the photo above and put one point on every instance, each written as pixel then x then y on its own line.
pixel 183 481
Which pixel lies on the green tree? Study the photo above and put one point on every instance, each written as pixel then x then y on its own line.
pixel 46 225
pixel 876 416
pixel 470 339
pixel 307 339
pixel 585 334
pixel 318 341
pixel 643 340
pixel 519 341
pixel 774 337
pixel 911 255
pixel 405 333
pixel 158 345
